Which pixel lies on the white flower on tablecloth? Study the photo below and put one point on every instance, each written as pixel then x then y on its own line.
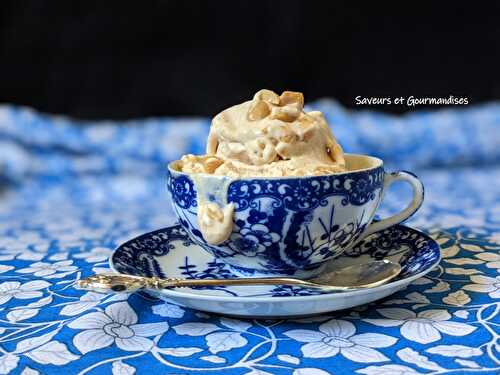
pixel 24 247
pixel 86 302
pixel 14 289
pixel 29 371
pixel 117 324
pixel 338 336
pixel 169 310
pixel 424 327
pixel 121 368
pixel 5 268
pixel 494 237
pixel 97 254
pixel 8 362
pixel 43 269
pixel 492 260
pixel 21 240
pixel 77 235
pixel 484 284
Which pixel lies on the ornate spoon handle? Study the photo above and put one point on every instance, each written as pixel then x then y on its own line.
pixel 128 283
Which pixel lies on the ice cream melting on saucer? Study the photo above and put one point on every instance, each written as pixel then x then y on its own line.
pixel 268 136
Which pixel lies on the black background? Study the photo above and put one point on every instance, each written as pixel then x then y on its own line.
pixel 119 59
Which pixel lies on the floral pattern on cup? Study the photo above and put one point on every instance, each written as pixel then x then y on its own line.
pixel 285 225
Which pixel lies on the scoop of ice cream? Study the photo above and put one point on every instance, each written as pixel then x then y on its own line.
pixel 270 136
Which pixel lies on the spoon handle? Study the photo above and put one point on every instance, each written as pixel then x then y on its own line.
pixel 129 283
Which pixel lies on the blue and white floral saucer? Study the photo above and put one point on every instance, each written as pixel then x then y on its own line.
pixel 169 252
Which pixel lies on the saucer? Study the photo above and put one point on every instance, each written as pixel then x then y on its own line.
pixel 169 252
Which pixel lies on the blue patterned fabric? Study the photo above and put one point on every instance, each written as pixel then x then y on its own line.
pixel 71 192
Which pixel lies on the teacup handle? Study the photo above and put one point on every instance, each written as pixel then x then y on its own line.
pixel 416 202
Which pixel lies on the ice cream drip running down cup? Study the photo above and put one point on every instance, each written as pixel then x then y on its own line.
pixel 275 195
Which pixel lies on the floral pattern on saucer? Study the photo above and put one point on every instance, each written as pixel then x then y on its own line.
pixel 169 252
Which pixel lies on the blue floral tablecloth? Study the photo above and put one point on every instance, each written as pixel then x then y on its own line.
pixel 71 192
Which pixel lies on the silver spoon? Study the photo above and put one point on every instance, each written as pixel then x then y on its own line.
pixel 351 278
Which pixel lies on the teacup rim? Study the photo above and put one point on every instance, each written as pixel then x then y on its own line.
pixel 378 163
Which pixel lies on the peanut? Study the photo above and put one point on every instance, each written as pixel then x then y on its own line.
pixel 283 150
pixel 258 111
pixel 261 151
pixel 336 153
pixel 286 114
pixel 288 138
pixel 321 170
pixel 292 98
pixel 267 96
pixel 211 164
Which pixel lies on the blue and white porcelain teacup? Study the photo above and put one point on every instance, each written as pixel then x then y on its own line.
pixel 290 226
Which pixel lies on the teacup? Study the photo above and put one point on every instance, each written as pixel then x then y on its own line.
pixel 291 226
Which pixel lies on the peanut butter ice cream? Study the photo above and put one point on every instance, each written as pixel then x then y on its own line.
pixel 268 136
